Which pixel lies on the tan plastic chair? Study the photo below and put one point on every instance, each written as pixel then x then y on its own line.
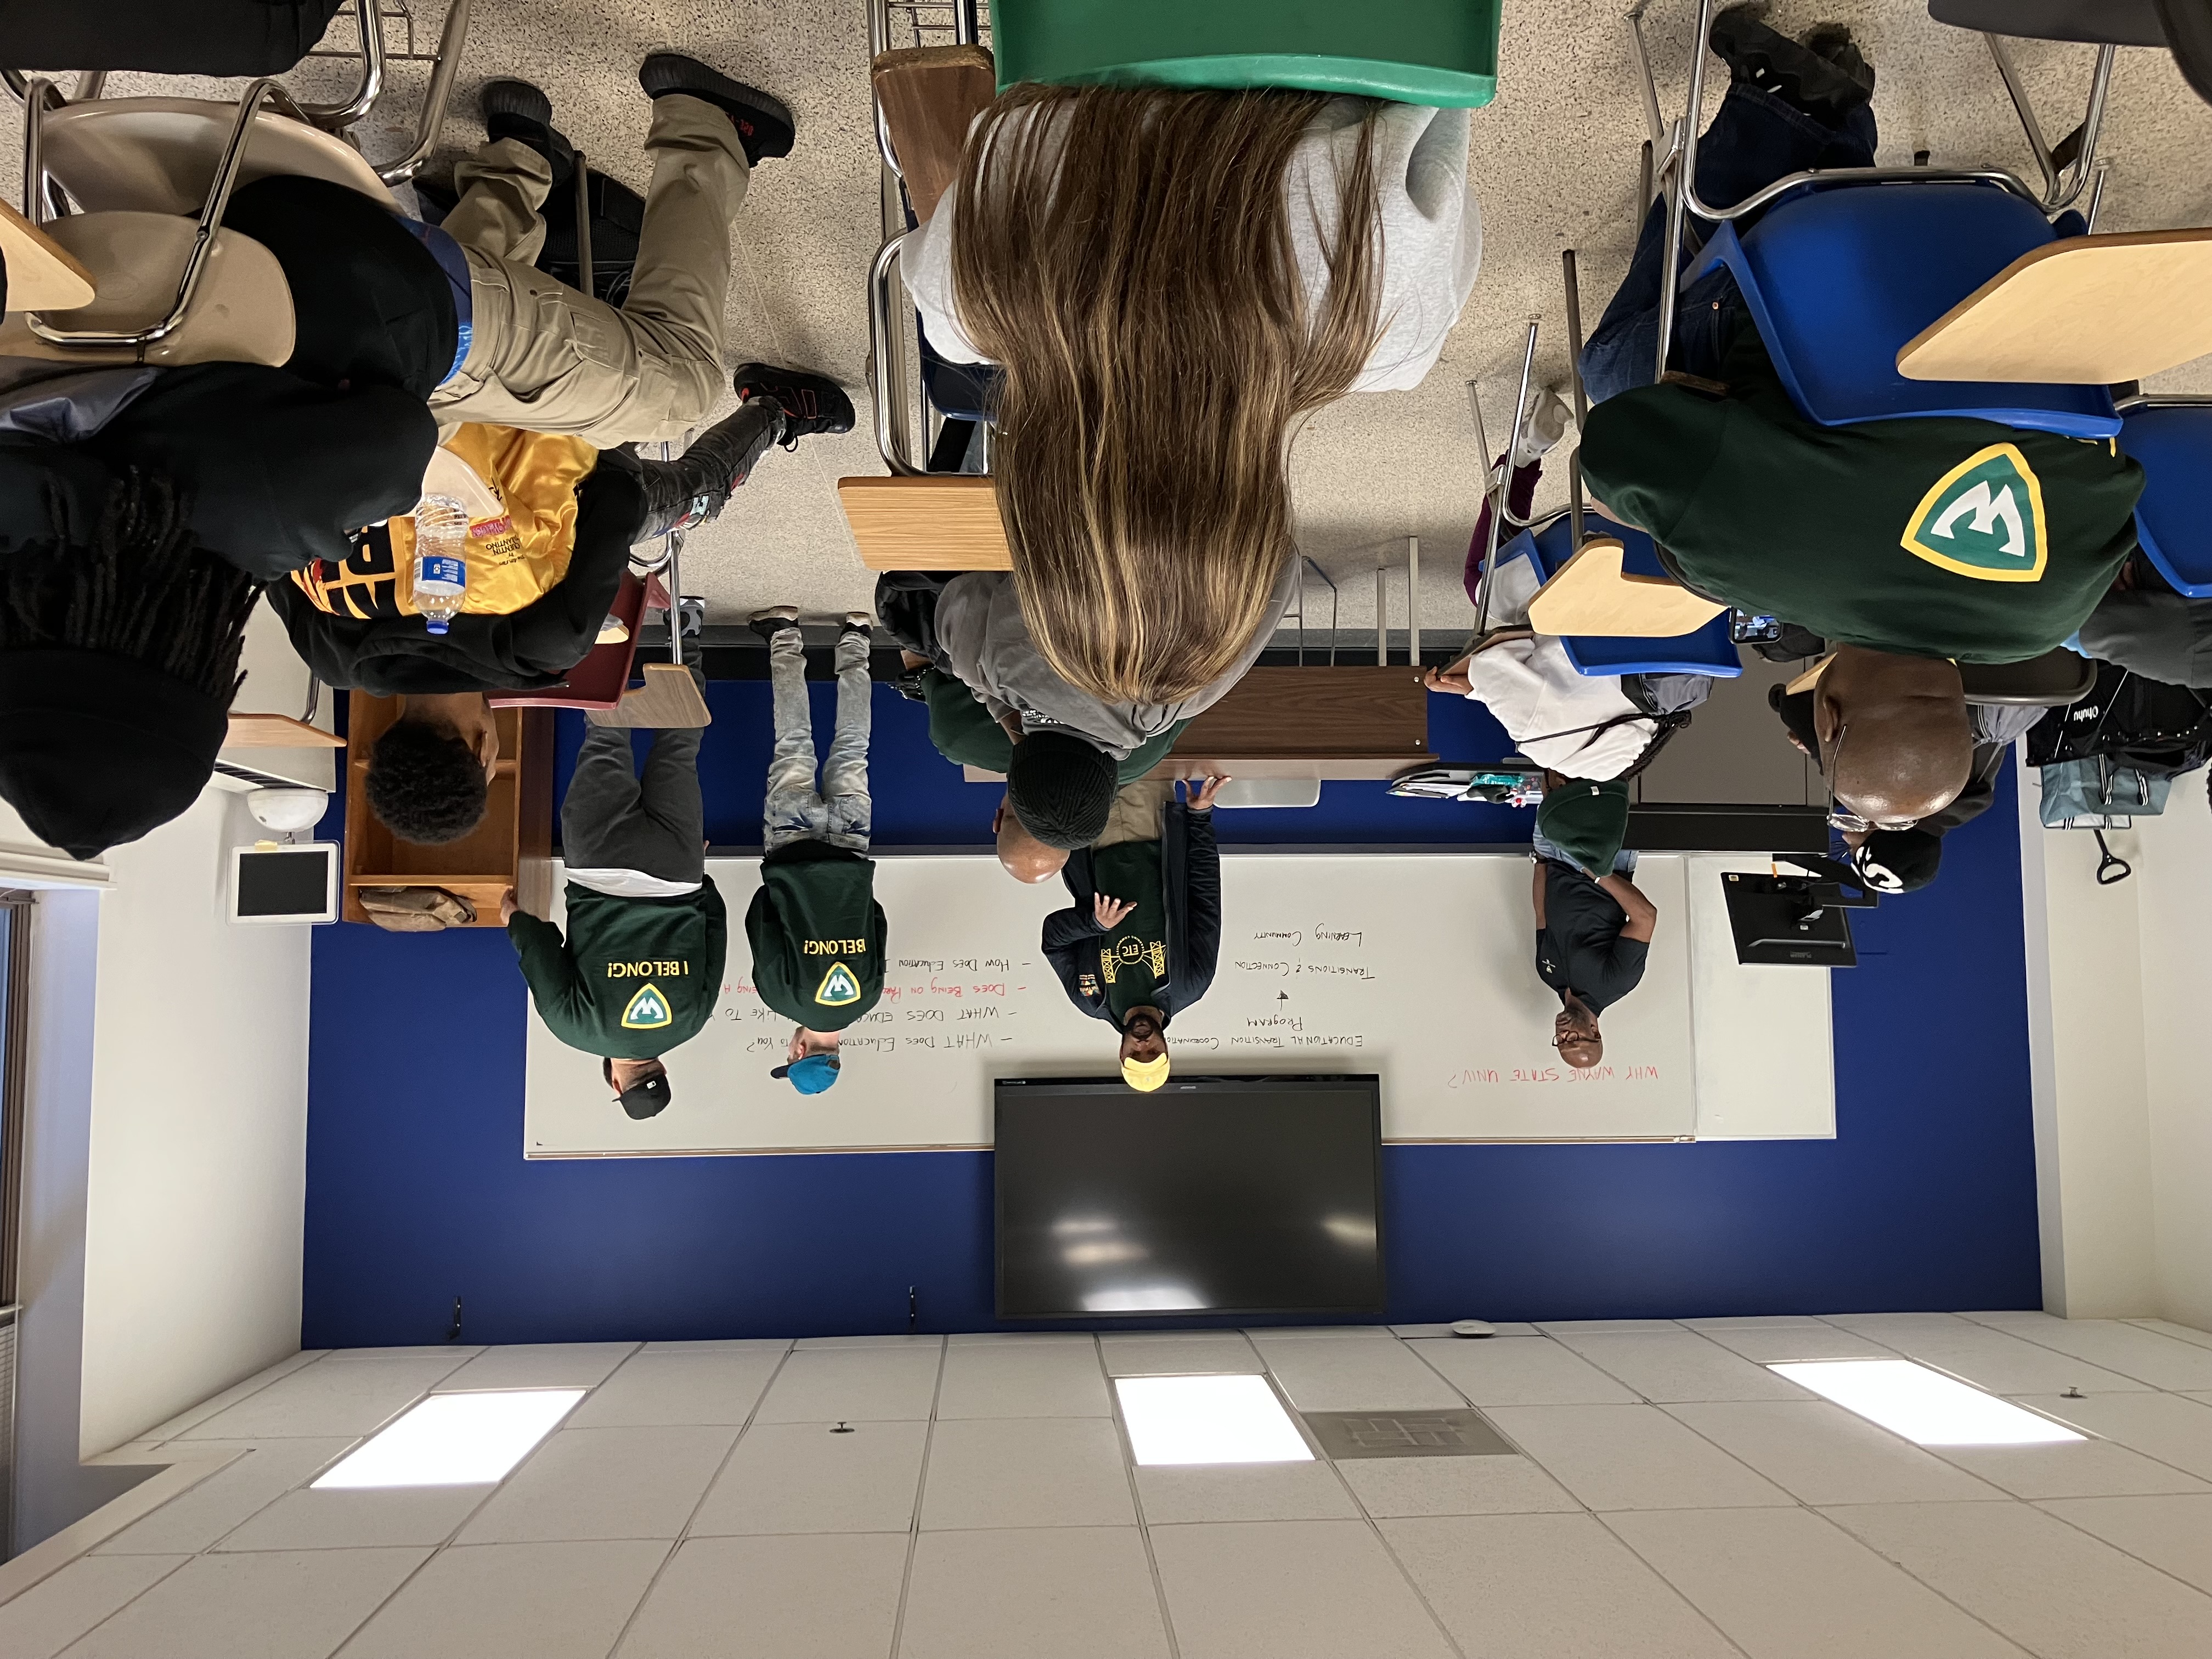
pixel 159 154
pixel 1592 594
pixel 241 310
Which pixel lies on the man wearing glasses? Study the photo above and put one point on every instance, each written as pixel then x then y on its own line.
pixel 1913 543
pixel 1593 931
pixel 1896 857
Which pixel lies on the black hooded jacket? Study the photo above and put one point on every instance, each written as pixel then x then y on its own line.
pixel 1190 877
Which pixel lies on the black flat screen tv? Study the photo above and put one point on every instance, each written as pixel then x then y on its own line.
pixel 1224 1195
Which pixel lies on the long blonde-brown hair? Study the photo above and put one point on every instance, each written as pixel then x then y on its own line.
pixel 1125 254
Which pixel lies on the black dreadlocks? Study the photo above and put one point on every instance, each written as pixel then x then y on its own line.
pixel 141 588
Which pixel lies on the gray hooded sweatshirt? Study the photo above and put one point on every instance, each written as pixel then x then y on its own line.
pixel 982 631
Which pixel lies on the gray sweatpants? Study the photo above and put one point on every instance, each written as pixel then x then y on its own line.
pixel 616 819
pixel 841 812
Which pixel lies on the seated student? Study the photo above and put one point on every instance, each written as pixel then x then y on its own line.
pixel 1595 727
pixel 817 933
pixel 1139 946
pixel 1593 932
pixel 1100 247
pixel 641 967
pixel 552 523
pixel 1904 860
pixel 1066 762
pixel 274 468
pixel 1906 543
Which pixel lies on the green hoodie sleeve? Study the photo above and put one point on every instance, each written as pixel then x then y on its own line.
pixel 1645 454
pixel 549 970
pixel 961 727
pixel 717 937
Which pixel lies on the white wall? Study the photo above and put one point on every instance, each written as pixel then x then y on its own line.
pixel 2117 1008
pixel 198 1171
pixel 2175 907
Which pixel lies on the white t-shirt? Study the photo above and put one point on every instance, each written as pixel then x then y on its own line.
pixel 1432 236
pixel 629 884
pixel 1581 725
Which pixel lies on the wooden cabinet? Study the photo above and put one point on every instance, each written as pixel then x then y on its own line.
pixel 512 847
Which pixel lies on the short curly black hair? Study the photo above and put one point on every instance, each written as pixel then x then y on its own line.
pixel 424 784
pixel 1061 788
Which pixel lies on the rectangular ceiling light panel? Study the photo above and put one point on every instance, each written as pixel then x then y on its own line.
pixel 454 1440
pixel 1924 1406
pixel 1208 1419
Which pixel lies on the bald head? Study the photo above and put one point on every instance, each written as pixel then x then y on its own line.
pixel 1026 859
pixel 1895 740
pixel 1574 1034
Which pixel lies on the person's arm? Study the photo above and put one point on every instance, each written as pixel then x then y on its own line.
pixel 1202 904
pixel 1064 930
pixel 1642 914
pixel 1645 454
pixel 279 472
pixel 1537 896
pixel 547 967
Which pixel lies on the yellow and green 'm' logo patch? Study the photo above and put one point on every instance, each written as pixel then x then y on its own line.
pixel 838 986
pixel 648 1009
pixel 1984 518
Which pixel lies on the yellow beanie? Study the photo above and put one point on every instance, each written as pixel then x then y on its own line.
pixel 1144 1075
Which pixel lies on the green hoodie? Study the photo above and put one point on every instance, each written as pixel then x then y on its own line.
pixel 817 935
pixel 1938 536
pixel 635 977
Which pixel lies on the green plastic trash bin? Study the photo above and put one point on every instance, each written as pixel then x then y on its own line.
pixel 1442 53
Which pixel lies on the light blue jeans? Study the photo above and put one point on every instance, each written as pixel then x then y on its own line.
pixel 841 812
pixel 1623 863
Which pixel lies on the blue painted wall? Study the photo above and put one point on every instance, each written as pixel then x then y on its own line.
pixel 417 1191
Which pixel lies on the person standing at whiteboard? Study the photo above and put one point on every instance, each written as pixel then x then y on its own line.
pixel 1593 932
pixel 816 930
pixel 1140 944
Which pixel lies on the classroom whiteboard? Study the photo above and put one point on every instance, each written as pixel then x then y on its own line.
pixel 1418 968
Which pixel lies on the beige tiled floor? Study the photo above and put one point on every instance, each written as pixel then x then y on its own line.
pixel 984 1504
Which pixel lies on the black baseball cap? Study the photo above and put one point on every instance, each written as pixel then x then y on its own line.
pixel 647 1098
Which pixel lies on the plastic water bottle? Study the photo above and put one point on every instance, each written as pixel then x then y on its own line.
pixel 441 566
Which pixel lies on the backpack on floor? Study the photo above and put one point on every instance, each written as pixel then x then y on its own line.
pixel 2159 730
pixel 2096 787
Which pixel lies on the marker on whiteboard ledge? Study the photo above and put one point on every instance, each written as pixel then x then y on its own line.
pixel 1473 1328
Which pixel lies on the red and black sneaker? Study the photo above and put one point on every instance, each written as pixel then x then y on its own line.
pixel 811 402
pixel 765 129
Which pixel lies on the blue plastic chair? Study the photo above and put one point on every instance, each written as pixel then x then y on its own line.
pixel 2174 443
pixel 1711 650
pixel 1840 279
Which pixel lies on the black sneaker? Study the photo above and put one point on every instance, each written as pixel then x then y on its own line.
pixel 765 128
pixel 857 621
pixel 1834 42
pixel 811 402
pixel 1792 71
pixel 772 622
pixel 515 109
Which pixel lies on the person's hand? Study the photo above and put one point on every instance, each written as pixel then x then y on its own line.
pixel 913 659
pixel 1011 724
pixel 1452 680
pixel 1110 912
pixel 508 907
pixel 1202 799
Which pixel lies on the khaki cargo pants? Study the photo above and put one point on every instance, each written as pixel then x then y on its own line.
pixel 546 359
